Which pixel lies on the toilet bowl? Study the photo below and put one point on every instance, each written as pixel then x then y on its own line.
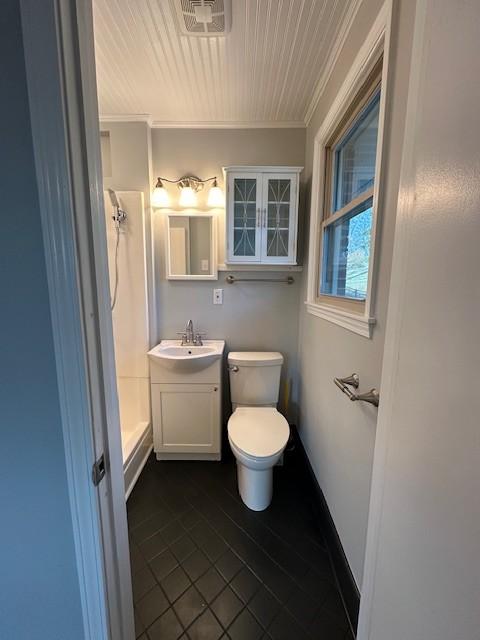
pixel 257 437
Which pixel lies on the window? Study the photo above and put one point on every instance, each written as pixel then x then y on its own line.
pixel 348 207
pixel 344 194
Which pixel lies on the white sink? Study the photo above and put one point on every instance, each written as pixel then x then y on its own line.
pixel 188 358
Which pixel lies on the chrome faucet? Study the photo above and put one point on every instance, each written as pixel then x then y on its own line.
pixel 190 337
pixel 189 331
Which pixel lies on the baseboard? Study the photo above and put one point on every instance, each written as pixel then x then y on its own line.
pixel 341 568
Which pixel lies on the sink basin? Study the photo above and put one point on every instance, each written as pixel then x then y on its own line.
pixel 188 358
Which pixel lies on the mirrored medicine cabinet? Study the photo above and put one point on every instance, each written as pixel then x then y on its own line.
pixel 191 249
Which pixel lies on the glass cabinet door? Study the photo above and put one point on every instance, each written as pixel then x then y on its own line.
pixel 279 213
pixel 244 226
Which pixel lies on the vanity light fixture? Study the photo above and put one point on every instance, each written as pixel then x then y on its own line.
pixel 160 197
pixel 215 195
pixel 188 192
pixel 189 187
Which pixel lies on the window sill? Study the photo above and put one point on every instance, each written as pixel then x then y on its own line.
pixel 362 325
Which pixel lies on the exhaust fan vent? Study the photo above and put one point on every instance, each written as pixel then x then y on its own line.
pixel 204 17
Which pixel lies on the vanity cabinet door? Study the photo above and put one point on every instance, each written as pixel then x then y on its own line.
pixel 244 213
pixel 279 218
pixel 186 418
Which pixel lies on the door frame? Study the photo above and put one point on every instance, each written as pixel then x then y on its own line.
pixel 61 83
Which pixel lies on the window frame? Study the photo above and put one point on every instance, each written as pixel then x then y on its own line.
pixel 368 91
pixel 367 72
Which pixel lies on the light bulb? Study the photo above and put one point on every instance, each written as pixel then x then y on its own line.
pixel 215 196
pixel 160 197
pixel 188 197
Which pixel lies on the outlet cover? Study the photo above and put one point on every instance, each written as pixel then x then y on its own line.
pixel 218 296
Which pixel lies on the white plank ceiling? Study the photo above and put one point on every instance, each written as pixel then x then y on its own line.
pixel 268 69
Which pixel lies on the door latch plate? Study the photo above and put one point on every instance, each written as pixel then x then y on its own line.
pixel 98 470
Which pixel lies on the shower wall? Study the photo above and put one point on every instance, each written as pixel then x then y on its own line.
pixel 130 316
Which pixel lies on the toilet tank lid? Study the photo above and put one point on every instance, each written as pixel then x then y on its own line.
pixel 255 358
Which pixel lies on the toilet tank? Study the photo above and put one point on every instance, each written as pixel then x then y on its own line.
pixel 254 377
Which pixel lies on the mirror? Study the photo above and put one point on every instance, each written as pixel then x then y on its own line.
pixel 191 250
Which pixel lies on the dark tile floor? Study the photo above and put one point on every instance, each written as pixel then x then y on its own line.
pixel 205 567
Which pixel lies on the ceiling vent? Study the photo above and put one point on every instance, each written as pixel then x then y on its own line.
pixel 204 17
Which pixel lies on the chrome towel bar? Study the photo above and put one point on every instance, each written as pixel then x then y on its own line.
pixel 232 280
pixel 372 396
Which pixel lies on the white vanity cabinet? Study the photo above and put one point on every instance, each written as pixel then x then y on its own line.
pixel 186 421
pixel 262 215
pixel 186 412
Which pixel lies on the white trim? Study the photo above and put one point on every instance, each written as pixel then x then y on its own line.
pixel 352 321
pixel 376 42
pixel 334 54
pixel 403 230
pixel 239 124
pixel 134 117
pixel 41 36
pixel 207 124
pixel 94 281
pixel 263 169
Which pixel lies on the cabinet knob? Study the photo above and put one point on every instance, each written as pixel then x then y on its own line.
pixel 215 388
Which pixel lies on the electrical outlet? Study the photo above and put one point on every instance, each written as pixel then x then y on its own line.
pixel 218 296
pixel 204 265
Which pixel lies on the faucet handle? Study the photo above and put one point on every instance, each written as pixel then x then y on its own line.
pixel 198 338
pixel 184 337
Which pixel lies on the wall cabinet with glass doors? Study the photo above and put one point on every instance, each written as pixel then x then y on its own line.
pixel 262 215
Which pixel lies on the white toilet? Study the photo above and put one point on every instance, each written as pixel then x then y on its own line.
pixel 257 432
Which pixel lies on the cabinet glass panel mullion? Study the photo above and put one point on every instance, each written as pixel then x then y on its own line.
pixel 278 217
pixel 244 217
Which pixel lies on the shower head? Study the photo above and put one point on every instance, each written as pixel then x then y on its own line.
pixel 113 198
pixel 120 215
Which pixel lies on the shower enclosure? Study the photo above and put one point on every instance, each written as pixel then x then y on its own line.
pixel 128 285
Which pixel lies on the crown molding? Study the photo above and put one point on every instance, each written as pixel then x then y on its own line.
pixel 134 117
pixel 244 124
pixel 343 32
pixel 241 124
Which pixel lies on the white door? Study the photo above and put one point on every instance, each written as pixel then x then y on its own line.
pixel 422 570
pixel 186 418
pixel 244 215
pixel 279 216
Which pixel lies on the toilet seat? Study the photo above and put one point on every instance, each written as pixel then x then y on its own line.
pixel 258 432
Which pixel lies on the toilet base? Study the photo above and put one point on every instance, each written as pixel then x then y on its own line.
pixel 255 486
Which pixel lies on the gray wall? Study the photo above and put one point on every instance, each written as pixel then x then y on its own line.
pixel 39 594
pixel 253 316
pixel 339 436
pixel 258 316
